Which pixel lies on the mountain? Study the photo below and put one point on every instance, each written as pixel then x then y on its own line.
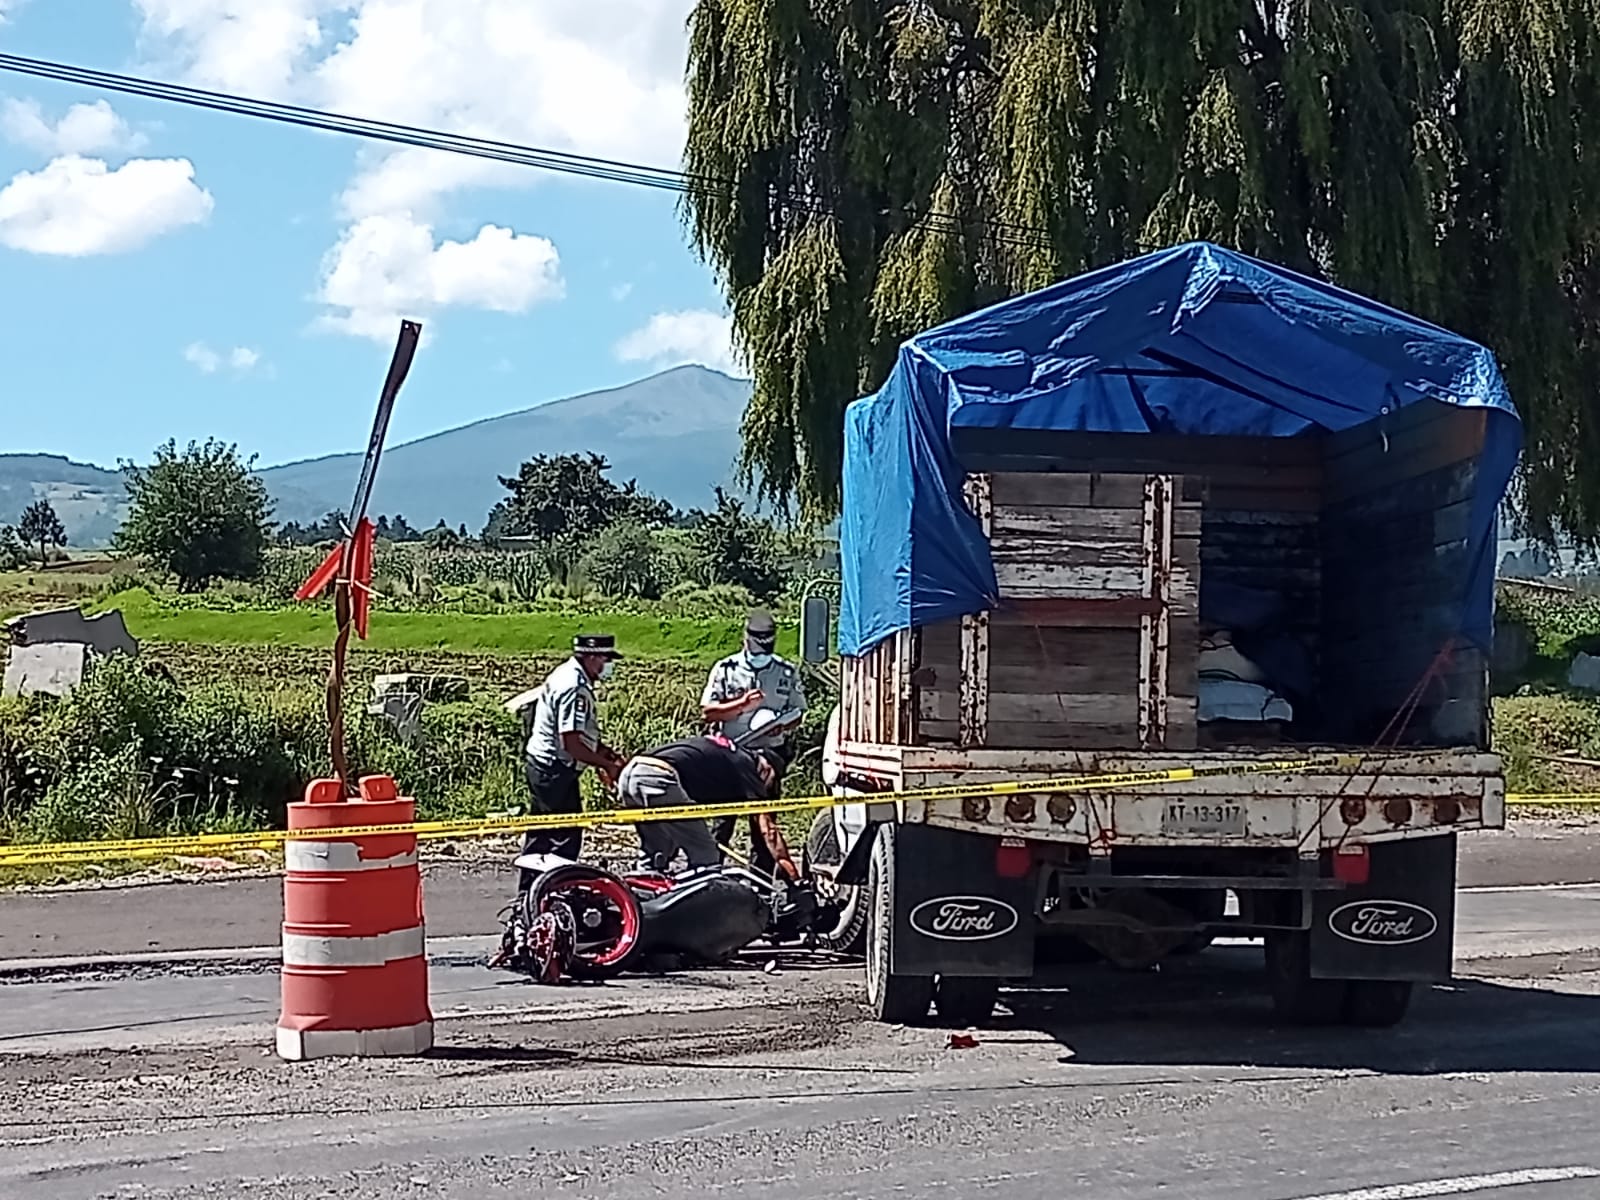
pixel 677 433
pixel 90 500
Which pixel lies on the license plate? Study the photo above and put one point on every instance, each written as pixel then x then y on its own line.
pixel 1188 818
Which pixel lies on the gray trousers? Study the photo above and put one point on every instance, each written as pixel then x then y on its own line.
pixel 650 783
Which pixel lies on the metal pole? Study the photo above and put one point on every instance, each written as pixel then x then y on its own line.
pixel 343 606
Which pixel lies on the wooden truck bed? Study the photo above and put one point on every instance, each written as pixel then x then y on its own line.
pixel 1119 576
pixel 1111 553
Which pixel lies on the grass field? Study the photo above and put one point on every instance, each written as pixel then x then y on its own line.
pixel 531 632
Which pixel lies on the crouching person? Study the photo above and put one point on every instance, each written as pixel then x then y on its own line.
pixel 697 770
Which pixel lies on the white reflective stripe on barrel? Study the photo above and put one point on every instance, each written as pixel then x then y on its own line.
pixel 310 950
pixel 340 857
pixel 297 1044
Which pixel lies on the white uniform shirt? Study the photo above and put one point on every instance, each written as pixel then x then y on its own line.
pixel 779 681
pixel 566 705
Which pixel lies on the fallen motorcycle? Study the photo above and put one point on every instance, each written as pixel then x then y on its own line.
pixel 579 921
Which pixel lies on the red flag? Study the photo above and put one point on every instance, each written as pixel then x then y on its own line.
pixel 361 575
pixel 361 547
pixel 323 575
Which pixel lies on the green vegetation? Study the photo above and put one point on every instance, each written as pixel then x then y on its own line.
pixel 197 515
pixel 218 620
pixel 893 167
pixel 39 526
pixel 132 753
pixel 12 554
pixel 219 723
pixel 1548 732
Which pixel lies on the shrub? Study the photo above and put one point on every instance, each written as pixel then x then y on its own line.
pixel 234 750
pixel 130 753
pixel 624 562
pixel 1558 619
pixel 738 547
pixel 690 599
pixel 1526 727
pixel 122 702
pixel 114 795
pixel 25 763
pixel 12 553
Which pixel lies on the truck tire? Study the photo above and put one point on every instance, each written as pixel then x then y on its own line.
pixel 1376 1003
pixel 1296 997
pixel 893 999
pixel 965 999
pixel 849 936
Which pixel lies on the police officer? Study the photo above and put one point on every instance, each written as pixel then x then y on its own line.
pixel 746 683
pixel 564 739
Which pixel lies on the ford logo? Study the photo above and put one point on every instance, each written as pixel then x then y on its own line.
pixel 1383 922
pixel 963 918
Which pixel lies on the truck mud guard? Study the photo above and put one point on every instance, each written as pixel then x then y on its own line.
pixel 1399 924
pixel 954 914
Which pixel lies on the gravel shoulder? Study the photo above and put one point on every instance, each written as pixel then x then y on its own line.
pixel 1130 1086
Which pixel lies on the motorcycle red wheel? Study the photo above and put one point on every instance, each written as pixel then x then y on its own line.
pixel 586 889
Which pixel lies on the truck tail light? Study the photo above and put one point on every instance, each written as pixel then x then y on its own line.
pixel 1352 864
pixel 1012 858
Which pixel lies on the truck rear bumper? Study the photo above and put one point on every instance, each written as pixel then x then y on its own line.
pixel 1383 798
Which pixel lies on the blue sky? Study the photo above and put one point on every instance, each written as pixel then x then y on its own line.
pixel 177 273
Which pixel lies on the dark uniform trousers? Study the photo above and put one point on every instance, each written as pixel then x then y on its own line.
pixel 554 787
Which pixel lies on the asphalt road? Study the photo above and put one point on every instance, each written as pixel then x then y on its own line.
pixel 139 1082
pixel 1116 1086
pixel 463 899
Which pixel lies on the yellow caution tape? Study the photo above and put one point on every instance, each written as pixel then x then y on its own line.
pixel 221 843
pixel 1554 799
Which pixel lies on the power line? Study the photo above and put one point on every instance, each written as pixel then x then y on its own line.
pixel 538 158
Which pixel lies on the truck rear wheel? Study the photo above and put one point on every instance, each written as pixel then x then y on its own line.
pixel 966 999
pixel 849 935
pixel 1296 996
pixel 893 999
pixel 1376 1003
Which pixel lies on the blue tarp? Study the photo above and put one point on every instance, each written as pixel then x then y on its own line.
pixel 1193 340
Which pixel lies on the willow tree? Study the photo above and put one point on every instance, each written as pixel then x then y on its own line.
pixel 866 168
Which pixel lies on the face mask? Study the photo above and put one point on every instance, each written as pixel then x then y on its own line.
pixel 605 669
pixel 757 661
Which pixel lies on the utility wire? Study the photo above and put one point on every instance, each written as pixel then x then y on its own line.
pixel 564 162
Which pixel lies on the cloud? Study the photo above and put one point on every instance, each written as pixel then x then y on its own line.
pixel 82 129
pixel 207 361
pixel 388 267
pixel 602 79
pixel 410 182
pixel 77 206
pixel 621 292
pixel 202 357
pixel 599 79
pixel 671 339
pixel 253 47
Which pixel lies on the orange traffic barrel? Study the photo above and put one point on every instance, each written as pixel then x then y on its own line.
pixel 355 964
